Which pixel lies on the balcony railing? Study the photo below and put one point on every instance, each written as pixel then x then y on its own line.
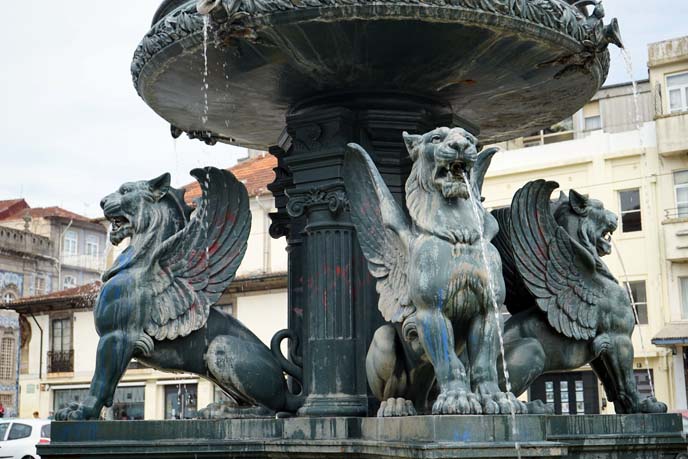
pixel 60 361
pixel 92 262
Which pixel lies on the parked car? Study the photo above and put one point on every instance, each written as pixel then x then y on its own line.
pixel 19 437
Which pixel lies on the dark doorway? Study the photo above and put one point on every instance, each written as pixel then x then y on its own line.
pixel 568 393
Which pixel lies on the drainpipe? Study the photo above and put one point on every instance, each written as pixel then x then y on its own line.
pixel 59 257
pixel 40 354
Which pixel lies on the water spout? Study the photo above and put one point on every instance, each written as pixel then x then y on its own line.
pixel 205 7
pixel 612 33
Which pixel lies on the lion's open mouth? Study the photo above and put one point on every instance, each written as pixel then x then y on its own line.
pixel 450 178
pixel 604 241
pixel 120 228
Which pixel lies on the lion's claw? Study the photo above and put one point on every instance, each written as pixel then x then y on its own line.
pixel 74 412
pixel 396 407
pixel 503 403
pixel 651 405
pixel 457 402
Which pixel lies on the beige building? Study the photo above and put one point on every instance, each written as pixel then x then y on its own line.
pixel 637 165
pixel 42 250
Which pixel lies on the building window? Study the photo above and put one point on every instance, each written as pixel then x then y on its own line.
pixel 8 357
pixel 683 283
pixel 62 398
pixel 643 379
pixel 8 297
pixel 592 119
pixel 69 282
pixel 71 241
pixel 677 87
pixel 681 191
pixel 128 403
pixel 180 401
pixel 40 285
pixel 61 354
pixel 631 220
pixel 92 246
pixel 639 294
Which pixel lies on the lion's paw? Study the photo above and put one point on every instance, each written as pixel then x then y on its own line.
pixel 503 403
pixel 651 405
pixel 74 412
pixel 457 402
pixel 539 407
pixel 396 407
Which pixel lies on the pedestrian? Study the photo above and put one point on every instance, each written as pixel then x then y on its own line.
pixel 2 411
pixel 35 415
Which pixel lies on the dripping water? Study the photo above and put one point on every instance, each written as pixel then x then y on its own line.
pixel 175 150
pixel 637 115
pixel 206 27
pixel 475 206
pixel 635 315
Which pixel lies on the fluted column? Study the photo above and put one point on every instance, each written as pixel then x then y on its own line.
pixel 328 273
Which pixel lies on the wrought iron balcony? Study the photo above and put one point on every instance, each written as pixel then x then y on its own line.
pixel 60 361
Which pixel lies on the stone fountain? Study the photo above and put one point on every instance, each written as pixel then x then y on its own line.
pixel 376 323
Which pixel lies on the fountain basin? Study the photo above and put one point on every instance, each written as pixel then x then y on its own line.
pixel 638 436
pixel 497 66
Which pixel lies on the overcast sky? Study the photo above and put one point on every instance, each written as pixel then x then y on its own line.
pixel 72 127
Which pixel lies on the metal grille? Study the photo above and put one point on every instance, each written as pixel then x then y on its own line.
pixel 60 361
pixel 7 359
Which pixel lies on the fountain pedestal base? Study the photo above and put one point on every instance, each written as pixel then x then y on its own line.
pixel 637 436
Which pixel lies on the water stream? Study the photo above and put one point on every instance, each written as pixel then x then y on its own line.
pixel 636 93
pixel 638 118
pixel 479 217
pixel 206 28
pixel 637 318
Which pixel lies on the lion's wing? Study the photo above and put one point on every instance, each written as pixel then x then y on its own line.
pixel 480 170
pixel 556 269
pixel 383 232
pixel 198 263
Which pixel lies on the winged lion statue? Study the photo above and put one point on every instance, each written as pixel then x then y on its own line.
pixel 436 291
pixel 568 309
pixel 156 301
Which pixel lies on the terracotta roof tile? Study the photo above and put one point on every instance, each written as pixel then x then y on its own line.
pixel 87 291
pixel 255 173
pixel 11 207
pixel 47 212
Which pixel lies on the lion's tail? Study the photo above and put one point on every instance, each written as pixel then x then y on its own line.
pixel 293 366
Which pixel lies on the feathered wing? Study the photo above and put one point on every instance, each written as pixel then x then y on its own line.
pixel 556 269
pixel 518 297
pixel 480 170
pixel 198 263
pixel 383 232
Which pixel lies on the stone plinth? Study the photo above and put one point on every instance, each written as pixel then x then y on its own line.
pixel 636 436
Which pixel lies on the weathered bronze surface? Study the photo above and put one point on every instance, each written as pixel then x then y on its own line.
pixel 265 57
pixel 432 277
pixel 648 436
pixel 568 309
pixel 156 300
